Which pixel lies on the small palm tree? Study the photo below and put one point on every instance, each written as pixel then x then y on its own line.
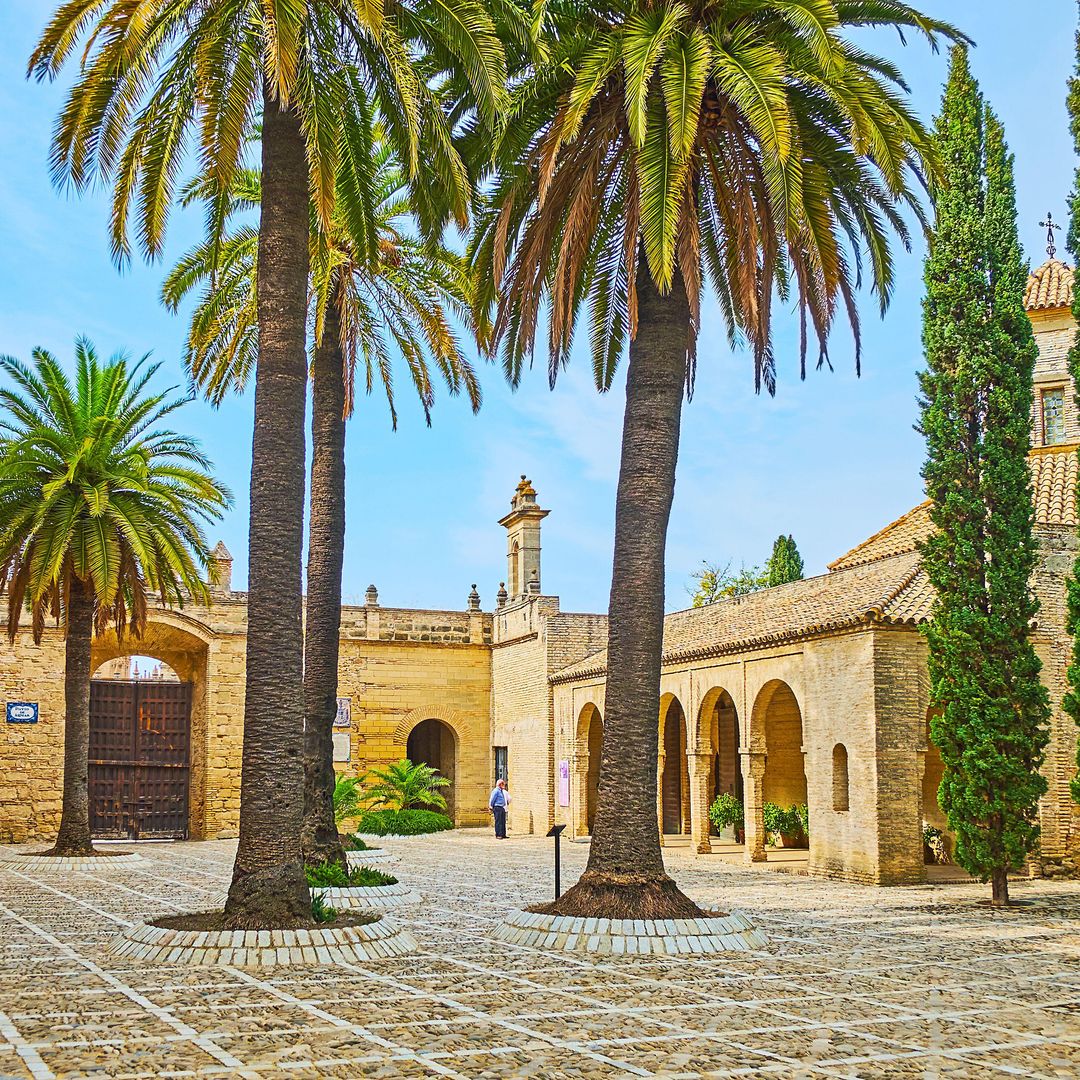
pixel 404 786
pixel 376 291
pixel 347 799
pixel 100 511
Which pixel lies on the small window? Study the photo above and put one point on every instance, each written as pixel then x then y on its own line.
pixel 839 777
pixel 1053 417
pixel 502 763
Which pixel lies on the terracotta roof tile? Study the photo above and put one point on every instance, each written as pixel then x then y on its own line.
pixel 878 581
pixel 1053 474
pixel 1049 286
pixel 902 536
pixel 812 606
pixel 1053 478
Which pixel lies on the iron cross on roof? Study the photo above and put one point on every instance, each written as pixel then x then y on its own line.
pixel 1050 225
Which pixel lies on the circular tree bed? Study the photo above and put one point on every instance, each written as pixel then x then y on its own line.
pixel 350 939
pixel 43 860
pixel 632 937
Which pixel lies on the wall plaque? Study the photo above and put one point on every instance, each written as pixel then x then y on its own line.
pixel 22 712
pixel 343 719
pixel 564 783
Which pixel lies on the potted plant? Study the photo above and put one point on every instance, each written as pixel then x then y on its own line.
pixel 786 827
pixel 935 850
pixel 727 812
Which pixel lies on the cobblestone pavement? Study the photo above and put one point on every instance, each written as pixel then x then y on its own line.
pixel 858 982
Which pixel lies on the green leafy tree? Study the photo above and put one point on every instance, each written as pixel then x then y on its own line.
pixel 375 295
pixel 156 78
pixel 656 151
pixel 404 786
pixel 101 510
pixel 1071 703
pixel 715 582
pixel 992 711
pixel 785 563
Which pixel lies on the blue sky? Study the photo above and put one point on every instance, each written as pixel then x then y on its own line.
pixel 830 460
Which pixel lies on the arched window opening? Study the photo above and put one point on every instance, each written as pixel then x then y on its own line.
pixel 840 797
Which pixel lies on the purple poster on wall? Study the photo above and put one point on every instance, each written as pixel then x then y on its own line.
pixel 564 783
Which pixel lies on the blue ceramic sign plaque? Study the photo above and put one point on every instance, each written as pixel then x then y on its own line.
pixel 22 712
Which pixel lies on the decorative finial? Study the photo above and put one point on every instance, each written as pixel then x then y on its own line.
pixel 1050 225
pixel 371 597
pixel 501 595
pixel 474 600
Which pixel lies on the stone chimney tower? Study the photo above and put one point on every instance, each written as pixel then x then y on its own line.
pixel 522 526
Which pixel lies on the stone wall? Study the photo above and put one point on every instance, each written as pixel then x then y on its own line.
pixel 532 640
pixel 399 667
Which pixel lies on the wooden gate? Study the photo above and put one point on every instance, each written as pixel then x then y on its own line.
pixel 140 734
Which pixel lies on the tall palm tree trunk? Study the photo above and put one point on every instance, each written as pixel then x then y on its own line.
pixel 74 835
pixel 625 875
pixel 268 886
pixel 326 553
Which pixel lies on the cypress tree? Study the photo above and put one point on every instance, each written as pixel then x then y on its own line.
pixel 785 563
pixel 991 710
pixel 1071 703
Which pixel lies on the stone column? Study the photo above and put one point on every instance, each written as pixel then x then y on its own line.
pixel 660 759
pixel 699 765
pixel 753 766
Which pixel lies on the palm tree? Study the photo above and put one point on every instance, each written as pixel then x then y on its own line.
pixel 402 785
pixel 101 511
pixel 157 75
pixel 661 148
pixel 370 299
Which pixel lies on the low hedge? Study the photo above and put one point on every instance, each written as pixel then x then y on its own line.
pixel 334 875
pixel 402 822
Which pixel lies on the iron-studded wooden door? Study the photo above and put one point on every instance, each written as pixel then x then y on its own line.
pixel 139 758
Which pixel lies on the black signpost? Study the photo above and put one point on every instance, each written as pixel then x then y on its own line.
pixel 556 831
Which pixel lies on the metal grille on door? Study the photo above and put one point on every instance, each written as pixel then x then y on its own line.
pixel 139 758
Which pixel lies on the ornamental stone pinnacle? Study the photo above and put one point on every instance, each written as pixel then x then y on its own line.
pixel 522 526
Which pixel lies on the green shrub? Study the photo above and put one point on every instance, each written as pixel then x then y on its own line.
pixel 726 811
pixel 794 821
pixel 357 843
pixel 321 911
pixel 335 876
pixel 403 822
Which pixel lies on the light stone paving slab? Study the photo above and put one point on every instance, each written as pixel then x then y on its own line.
pixel 376 857
pixel 24 859
pixel 854 982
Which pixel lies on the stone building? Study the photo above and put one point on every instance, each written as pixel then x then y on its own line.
pixel 813 693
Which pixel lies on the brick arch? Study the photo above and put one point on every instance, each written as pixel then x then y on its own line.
pixel 777 729
pixel 452 718
pixel 698 736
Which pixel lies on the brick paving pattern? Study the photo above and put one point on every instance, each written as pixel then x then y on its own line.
pixel 857 982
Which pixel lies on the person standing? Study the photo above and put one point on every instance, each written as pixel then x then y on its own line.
pixel 497 804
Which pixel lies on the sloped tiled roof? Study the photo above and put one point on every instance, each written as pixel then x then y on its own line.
pixel 880 591
pixel 1053 474
pixel 880 581
pixel 1053 481
pixel 1049 286
pixel 902 536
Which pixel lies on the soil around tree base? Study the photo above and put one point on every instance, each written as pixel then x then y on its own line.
pixel 211 921
pixel 624 896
